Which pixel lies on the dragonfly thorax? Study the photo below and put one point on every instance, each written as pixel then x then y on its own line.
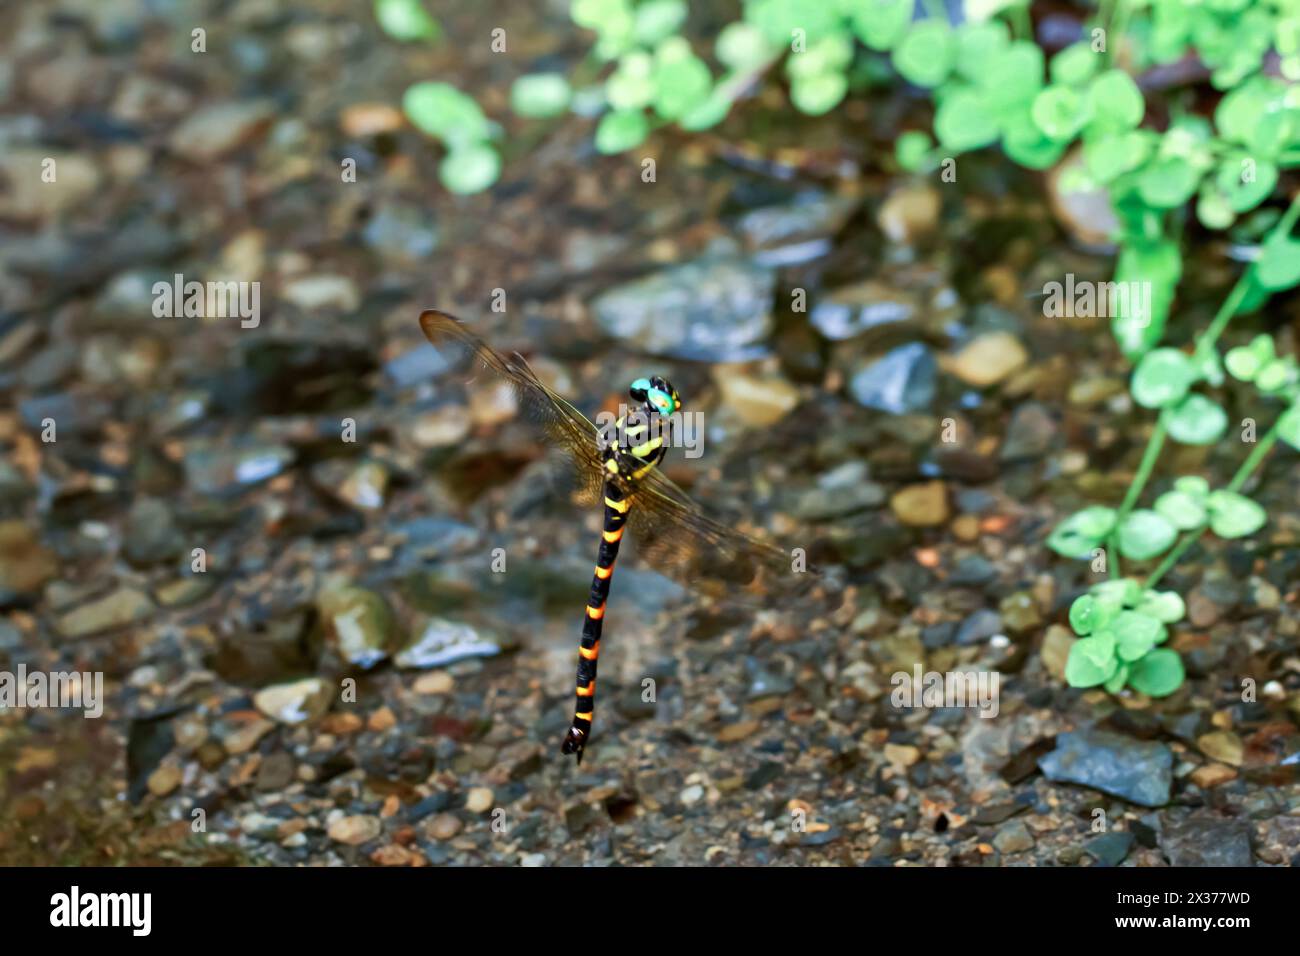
pixel 656 395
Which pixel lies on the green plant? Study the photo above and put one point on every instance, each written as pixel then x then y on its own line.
pixel 993 86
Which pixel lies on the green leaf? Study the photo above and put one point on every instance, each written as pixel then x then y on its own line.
pixel 406 20
pixel 1233 515
pixel 1245 181
pixel 621 130
pixel 1180 509
pixel 1213 208
pixel 1278 266
pixel 1117 681
pixel 1162 378
pixel 1112 154
pixel 1245 361
pixel 962 123
pixel 880 25
pixel 1118 594
pixel 741 45
pixel 925 56
pixel 445 113
pixel 1136 634
pixel 1276 375
pixel 1116 101
pixel 815 95
pixel 631 85
pixel 1196 420
pixel 978 45
pixel 682 82
pixel 1014 78
pixel 1027 145
pixel 1164 606
pixel 1168 182
pixel 1288 426
pixel 1160 263
pixel 1144 534
pixel 1075 65
pixel 1081 532
pixel 1086 614
pixel 1158 674
pixel 1059 113
pixel 912 149
pixel 656 19
pixel 470 168
pixel 709 113
pixel 1193 485
pixel 540 95
pixel 1092 661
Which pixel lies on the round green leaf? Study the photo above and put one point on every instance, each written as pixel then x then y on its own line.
pixel 1181 510
pixel 1196 420
pixel 1113 154
pixel 741 45
pixel 1031 149
pixel 1118 594
pixel 815 95
pixel 1213 208
pixel 1136 634
pixel 1164 606
pixel 1013 79
pixel 406 20
pixel 621 130
pixel 1081 532
pixel 1193 485
pixel 471 168
pixel 1288 426
pixel 962 123
pixel 1158 674
pixel 1162 378
pixel 1233 515
pixel 709 113
pixel 1085 614
pixel 1168 182
pixel 656 19
pixel 882 24
pixel 1278 266
pixel 446 113
pixel 1092 661
pixel 540 95
pixel 926 54
pixel 1144 534
pixel 631 85
pixel 911 149
pixel 1075 65
pixel 1059 113
pixel 1117 680
pixel 1116 101
pixel 978 45
pixel 1245 181
pixel 1276 375
pixel 681 84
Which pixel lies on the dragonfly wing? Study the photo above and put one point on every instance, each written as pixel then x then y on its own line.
pixel 565 427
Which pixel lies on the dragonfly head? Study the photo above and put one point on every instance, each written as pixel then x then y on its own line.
pixel 656 394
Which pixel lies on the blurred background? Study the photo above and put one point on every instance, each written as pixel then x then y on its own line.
pixel 274 537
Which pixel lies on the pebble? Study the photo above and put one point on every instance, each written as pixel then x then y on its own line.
pixel 1138 771
pixel 312 293
pixel 479 799
pixel 921 506
pixel 295 702
pixel 363 120
pixel 220 128
pixel 758 401
pixel 1056 649
pixel 223 471
pixel 1208 841
pixel 852 310
pixel 28 197
pixel 120 608
pixel 25 563
pixel 900 382
pixel 1013 837
pixel 1223 746
pixel 1110 849
pixel 1029 434
pixel 444 642
pixel 435 682
pixel 358 623
pixel 1087 214
pixel 909 214
pixel 444 826
pixel 1212 775
pixel 151 535
pixel 164 780
pixel 355 830
pixel 979 626
pixel 988 359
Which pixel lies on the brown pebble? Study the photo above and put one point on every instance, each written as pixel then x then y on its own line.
pixel 444 826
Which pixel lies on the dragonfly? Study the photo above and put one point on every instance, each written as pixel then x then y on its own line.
pixel 618 466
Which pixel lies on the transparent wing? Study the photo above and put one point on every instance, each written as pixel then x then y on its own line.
pixel 564 426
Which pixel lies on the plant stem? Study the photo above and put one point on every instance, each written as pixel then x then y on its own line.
pixel 1257 455
pixel 1145 468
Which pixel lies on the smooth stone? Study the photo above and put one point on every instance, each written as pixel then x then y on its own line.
pixel 359 623
pixel 1138 771
pixel 921 506
pixel 901 381
pixel 120 608
pixel 988 359
pixel 849 311
pixel 220 128
pixel 1208 842
pixel 294 703
pixel 443 642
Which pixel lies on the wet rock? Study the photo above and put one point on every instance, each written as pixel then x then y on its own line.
pixel 223 471
pixel 416 366
pixel 715 309
pixel 185 591
pixel 29 194
pixel 901 381
pixel 443 428
pixel 989 359
pixel 296 702
pixel 443 642
pixel 1020 612
pixel 1202 841
pixel 151 535
pixel 841 491
pixel 1029 434
pixel 1087 214
pixel 243 735
pixel 910 213
pixel 795 232
pixel 358 623
pixel 1212 775
pixel 758 401
pixel 921 506
pixel 400 233
pixel 852 310
pixel 763 683
pixel 479 799
pixel 356 830
pixel 119 608
pixel 973 571
pixel 220 128
pixel 979 626
pixel 361 485
pixel 444 826
pixel 1223 746
pixel 1056 650
pixel 25 563
pixel 1110 849
pixel 275 773
pixel 1138 771
pixel 1013 837
pixel 164 780
pixel 312 293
